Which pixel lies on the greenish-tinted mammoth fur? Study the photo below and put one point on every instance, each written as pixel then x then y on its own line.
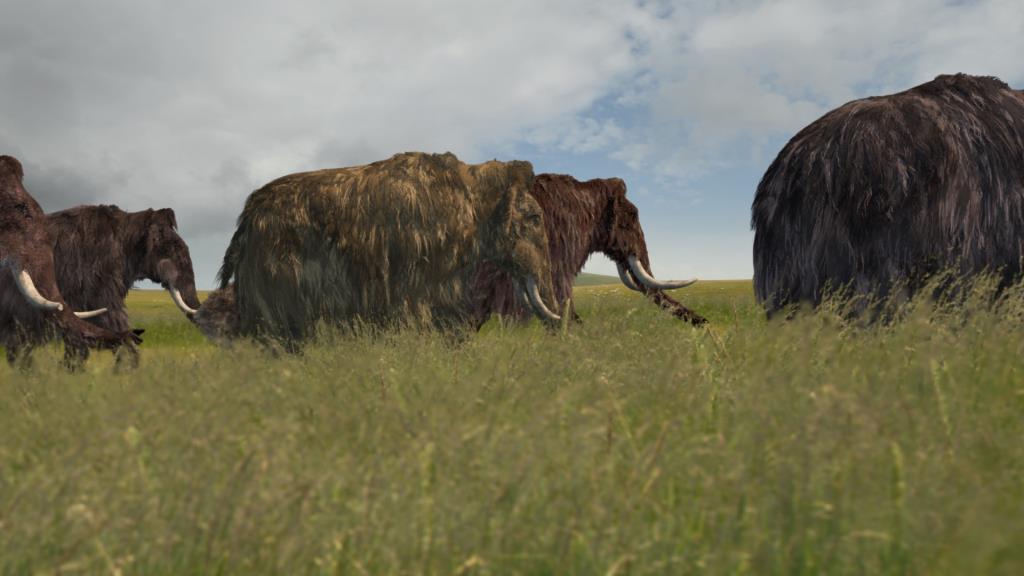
pixel 392 243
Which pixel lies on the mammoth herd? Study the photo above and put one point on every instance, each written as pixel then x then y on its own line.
pixel 417 240
pixel 875 196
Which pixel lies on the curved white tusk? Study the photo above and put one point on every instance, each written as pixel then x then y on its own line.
pixel 651 282
pixel 533 295
pixel 91 313
pixel 180 303
pixel 28 289
pixel 624 276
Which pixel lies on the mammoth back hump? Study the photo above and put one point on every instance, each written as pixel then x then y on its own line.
pixel 389 222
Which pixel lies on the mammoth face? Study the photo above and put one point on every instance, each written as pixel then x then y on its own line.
pixel 623 242
pixel 518 243
pixel 21 218
pixel 24 240
pixel 218 316
pixel 167 260
pixel 625 236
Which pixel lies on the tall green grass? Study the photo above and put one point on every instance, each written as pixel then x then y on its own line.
pixel 633 444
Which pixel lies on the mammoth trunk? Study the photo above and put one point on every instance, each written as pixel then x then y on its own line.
pixel 217 318
pixel 636 276
pixel 180 286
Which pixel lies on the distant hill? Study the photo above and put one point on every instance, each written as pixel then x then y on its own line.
pixel 585 279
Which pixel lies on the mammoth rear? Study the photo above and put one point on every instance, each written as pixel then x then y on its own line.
pixel 885 191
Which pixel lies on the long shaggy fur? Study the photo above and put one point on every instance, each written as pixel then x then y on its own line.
pixel 884 191
pixel 99 254
pixel 390 243
pixel 582 218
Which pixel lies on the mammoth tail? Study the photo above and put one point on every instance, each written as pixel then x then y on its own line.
pixel 227 268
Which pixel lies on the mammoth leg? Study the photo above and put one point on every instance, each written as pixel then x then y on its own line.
pixel 19 355
pixel 568 306
pixel 75 356
pixel 479 319
pixel 457 336
pixel 276 347
pixel 455 324
pixel 572 312
pixel 126 358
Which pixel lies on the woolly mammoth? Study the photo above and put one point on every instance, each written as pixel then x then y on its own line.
pixel 392 243
pixel 583 218
pixel 26 262
pixel 884 191
pixel 99 253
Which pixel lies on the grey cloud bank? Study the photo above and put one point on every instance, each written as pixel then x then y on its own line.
pixel 192 105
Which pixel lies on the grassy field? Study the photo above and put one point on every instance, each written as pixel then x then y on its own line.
pixel 633 444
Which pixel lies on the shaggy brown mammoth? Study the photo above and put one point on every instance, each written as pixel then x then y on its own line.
pixel 99 253
pixel 26 261
pixel 392 243
pixel 583 218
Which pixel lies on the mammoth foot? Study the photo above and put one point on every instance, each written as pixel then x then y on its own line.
pixel 126 358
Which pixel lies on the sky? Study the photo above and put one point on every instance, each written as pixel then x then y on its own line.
pixel 192 104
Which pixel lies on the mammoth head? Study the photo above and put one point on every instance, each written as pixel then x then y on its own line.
pixel 23 238
pixel 625 237
pixel 166 259
pixel 21 218
pixel 25 244
pixel 218 316
pixel 623 241
pixel 10 168
pixel 516 239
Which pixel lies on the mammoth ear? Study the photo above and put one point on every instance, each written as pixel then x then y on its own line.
pixel 616 187
pixel 163 217
pixel 166 269
pixel 501 218
pixel 614 210
pixel 520 171
pixel 12 164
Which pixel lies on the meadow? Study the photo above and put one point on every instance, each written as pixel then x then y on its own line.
pixel 630 444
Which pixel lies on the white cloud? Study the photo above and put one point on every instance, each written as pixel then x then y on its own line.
pixel 192 104
pixel 733 74
pixel 578 135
